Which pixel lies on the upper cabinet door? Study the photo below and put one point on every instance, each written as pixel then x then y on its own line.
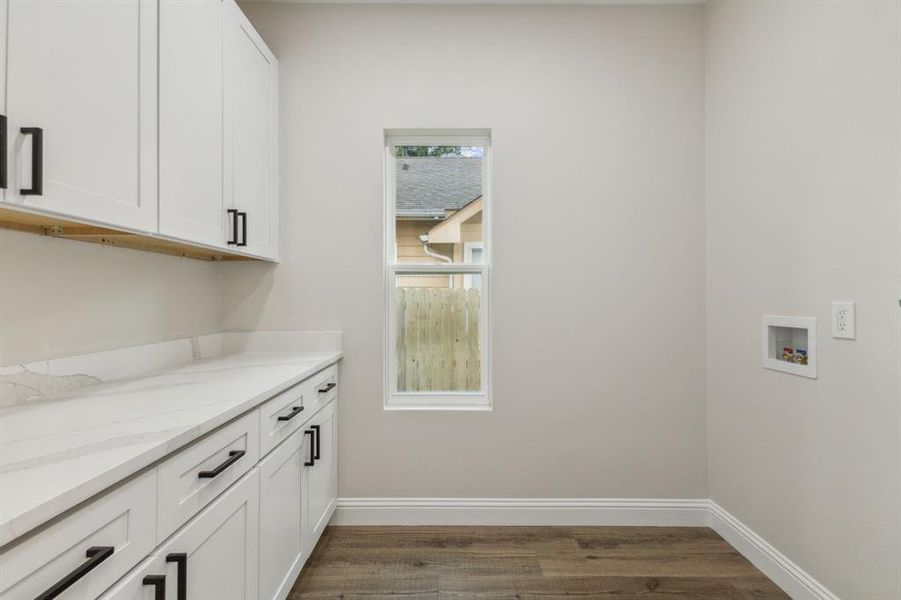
pixel 82 75
pixel 251 134
pixel 191 91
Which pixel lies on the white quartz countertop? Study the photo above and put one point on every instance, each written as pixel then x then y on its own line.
pixel 58 451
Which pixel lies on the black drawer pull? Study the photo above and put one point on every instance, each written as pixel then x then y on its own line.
pixel 181 562
pixel 327 388
pixel 159 585
pixel 95 556
pixel 37 162
pixel 3 152
pixel 295 410
pixel 234 218
pixel 318 437
pixel 233 457
pixel 243 241
pixel 312 460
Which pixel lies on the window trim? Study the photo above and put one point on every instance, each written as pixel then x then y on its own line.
pixel 394 400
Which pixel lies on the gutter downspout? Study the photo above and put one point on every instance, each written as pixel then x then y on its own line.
pixel 429 252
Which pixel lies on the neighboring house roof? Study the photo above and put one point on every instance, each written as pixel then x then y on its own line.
pixel 428 186
pixel 450 230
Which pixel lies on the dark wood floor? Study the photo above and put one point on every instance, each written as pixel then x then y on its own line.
pixel 541 563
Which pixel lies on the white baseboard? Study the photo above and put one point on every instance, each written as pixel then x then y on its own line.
pixel 587 511
pixel 794 580
pixel 519 511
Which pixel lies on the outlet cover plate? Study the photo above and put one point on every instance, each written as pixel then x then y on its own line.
pixel 844 320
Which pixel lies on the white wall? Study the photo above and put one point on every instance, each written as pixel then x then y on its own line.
pixel 598 274
pixel 803 150
pixel 61 297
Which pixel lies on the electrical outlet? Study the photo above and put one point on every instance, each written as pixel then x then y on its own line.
pixel 844 321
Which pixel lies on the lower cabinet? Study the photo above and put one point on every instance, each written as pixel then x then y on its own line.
pixel 298 493
pixel 245 536
pixel 321 476
pixel 145 582
pixel 82 554
pixel 282 513
pixel 215 556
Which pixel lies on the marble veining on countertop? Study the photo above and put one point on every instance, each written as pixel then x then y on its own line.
pixel 58 450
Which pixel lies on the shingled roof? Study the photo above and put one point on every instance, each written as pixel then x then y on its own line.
pixel 428 186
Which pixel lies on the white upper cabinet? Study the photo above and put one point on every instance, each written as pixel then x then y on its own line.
pixel 191 95
pixel 251 141
pixel 158 117
pixel 81 79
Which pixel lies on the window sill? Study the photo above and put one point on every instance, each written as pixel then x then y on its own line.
pixel 438 402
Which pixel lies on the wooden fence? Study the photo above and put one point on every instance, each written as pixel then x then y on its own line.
pixel 438 340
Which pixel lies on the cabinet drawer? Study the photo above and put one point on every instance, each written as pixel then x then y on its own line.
pixel 89 549
pixel 283 415
pixel 193 477
pixel 324 386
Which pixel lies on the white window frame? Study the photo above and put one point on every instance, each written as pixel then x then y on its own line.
pixel 395 400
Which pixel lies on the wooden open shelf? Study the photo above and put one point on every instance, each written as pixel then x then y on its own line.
pixel 23 220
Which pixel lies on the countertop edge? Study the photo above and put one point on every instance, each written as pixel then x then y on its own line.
pixel 28 522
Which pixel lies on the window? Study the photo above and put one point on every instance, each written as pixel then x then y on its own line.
pixel 437 248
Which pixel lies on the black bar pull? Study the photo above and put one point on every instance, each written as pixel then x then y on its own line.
pixel 95 556
pixel 327 388
pixel 318 437
pixel 312 460
pixel 159 584
pixel 3 152
pixel 233 457
pixel 295 410
pixel 243 241
pixel 37 162
pixel 181 563
pixel 234 217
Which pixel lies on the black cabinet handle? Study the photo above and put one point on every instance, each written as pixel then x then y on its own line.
pixel 318 437
pixel 95 556
pixel 327 388
pixel 295 410
pixel 243 241
pixel 233 457
pixel 312 460
pixel 234 218
pixel 159 584
pixel 3 152
pixel 37 162
pixel 181 563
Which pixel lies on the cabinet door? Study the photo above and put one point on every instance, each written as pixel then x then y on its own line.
pixel 85 74
pixel 281 516
pixel 141 582
pixel 190 97
pixel 220 547
pixel 251 126
pixel 322 476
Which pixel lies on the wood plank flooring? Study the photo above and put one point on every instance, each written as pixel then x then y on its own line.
pixel 529 563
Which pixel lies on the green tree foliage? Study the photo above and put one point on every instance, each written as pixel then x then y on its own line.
pixel 406 151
